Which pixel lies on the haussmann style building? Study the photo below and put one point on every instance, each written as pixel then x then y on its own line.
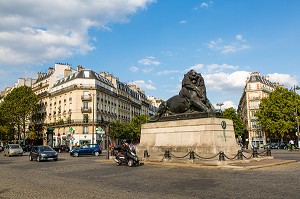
pixel 79 104
pixel 256 88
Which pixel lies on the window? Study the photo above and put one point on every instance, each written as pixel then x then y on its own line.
pixel 85 118
pixel 85 130
pixel 87 74
pixel 85 105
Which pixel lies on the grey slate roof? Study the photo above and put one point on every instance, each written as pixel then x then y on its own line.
pixel 82 74
pixel 258 78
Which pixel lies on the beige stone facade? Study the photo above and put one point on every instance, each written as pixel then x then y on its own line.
pixel 78 102
pixel 256 88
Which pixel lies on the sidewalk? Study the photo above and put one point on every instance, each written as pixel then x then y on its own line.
pixel 257 164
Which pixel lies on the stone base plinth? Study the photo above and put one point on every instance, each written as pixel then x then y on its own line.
pixel 204 136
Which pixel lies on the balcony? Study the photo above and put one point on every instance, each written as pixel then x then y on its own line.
pixel 86 110
pixel 86 98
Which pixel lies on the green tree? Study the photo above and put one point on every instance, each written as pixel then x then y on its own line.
pixel 136 124
pixel 130 130
pixel 276 113
pixel 230 113
pixel 18 107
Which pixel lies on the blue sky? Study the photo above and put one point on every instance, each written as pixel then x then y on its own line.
pixel 154 43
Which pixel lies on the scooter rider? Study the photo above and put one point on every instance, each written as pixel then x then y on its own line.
pixel 126 149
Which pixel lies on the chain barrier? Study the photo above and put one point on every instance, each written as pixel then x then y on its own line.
pixel 239 156
pixel 251 156
pixel 179 157
pixel 206 158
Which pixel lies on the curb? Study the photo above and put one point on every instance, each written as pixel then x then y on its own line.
pixel 232 167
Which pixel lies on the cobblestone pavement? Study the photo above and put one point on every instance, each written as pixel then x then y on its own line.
pixel 95 177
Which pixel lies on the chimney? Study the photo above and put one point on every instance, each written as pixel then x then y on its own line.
pixel 67 72
pixel 79 68
pixel 50 70
pixel 103 74
pixel 39 75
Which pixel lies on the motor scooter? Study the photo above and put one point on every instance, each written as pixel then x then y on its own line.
pixel 126 157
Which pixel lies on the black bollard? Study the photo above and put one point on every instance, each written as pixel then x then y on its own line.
pixel 146 154
pixel 221 156
pixel 240 155
pixel 255 153
pixel 192 155
pixel 167 154
pixel 268 151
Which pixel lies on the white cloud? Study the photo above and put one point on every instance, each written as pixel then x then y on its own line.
pixel 144 85
pixel 226 82
pixel 149 61
pixel 205 5
pixel 239 37
pixel 134 69
pixel 220 67
pixel 212 68
pixel 35 32
pixel 196 67
pixel 167 72
pixel 285 79
pixel 182 22
pixel 220 46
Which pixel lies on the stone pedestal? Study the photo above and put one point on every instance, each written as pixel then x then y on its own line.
pixel 205 136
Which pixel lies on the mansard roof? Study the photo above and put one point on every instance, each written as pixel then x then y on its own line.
pixel 84 74
pixel 43 76
pixel 124 87
pixel 258 78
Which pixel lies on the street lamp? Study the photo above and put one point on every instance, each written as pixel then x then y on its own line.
pixel 220 104
pixel 93 119
pixel 296 113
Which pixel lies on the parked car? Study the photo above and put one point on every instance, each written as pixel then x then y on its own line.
pixel 13 149
pixel 89 149
pixel 274 145
pixel 61 148
pixel 282 145
pixel 41 153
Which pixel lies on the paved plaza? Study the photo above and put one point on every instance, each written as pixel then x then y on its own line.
pixel 97 177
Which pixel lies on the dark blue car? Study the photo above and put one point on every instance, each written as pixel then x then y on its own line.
pixel 42 153
pixel 88 149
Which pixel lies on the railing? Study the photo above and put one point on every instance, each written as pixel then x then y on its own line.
pixel 86 110
pixel 86 97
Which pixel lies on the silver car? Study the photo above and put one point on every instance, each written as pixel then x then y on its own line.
pixel 13 149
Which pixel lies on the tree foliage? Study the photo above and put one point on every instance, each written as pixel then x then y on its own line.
pixel 230 113
pixel 130 130
pixel 276 113
pixel 18 106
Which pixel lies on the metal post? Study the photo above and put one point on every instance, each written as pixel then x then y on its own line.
pixel 221 156
pixel 106 132
pixel 167 154
pixel 268 151
pixel 192 155
pixel 240 155
pixel 93 122
pixel 255 153
pixel 296 113
pixel 146 154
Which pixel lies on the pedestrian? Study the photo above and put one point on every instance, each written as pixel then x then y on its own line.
pixel 291 144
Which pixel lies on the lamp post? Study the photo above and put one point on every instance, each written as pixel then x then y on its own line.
pixel 220 104
pixel 107 140
pixel 93 119
pixel 296 114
